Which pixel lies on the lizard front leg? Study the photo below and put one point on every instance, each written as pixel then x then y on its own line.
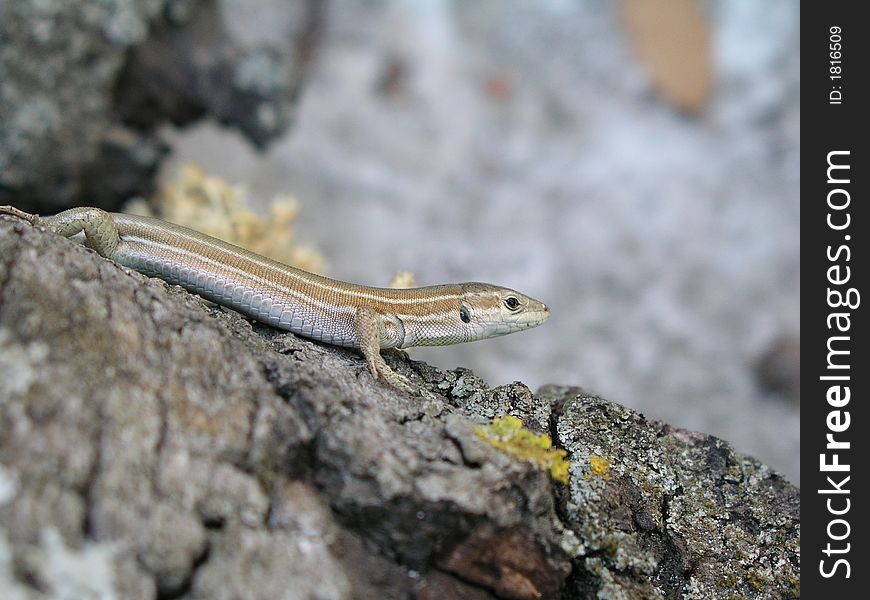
pixel 367 323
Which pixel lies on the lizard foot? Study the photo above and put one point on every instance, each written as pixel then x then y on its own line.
pixel 388 375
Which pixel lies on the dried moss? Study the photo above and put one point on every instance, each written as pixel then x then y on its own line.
pixel 213 206
pixel 508 435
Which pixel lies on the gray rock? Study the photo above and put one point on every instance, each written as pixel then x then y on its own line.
pixel 665 512
pixel 84 85
pixel 167 446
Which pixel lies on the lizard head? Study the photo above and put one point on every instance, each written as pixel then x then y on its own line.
pixel 490 311
pixel 466 312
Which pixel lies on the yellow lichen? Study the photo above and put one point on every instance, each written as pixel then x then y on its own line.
pixel 213 206
pixel 508 435
pixel 600 466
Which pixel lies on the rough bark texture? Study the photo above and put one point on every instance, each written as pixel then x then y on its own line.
pixel 84 86
pixel 153 445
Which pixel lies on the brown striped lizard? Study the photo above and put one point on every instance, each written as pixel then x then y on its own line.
pixel 343 314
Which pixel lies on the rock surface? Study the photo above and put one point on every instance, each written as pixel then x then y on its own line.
pixel 153 445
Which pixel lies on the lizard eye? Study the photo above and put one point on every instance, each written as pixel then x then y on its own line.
pixel 464 314
pixel 512 303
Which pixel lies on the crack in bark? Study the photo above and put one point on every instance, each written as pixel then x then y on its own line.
pixel 458 445
pixel 89 491
pixel 673 560
pixel 466 581
pixel 186 586
pixel 107 296
pixel 253 419
pixel 559 492
pixel 160 444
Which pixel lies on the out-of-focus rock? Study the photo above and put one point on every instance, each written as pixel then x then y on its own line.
pixel 779 368
pixel 85 85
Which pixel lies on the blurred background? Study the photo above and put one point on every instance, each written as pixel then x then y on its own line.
pixel 634 164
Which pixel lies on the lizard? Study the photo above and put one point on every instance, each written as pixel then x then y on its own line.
pixel 335 312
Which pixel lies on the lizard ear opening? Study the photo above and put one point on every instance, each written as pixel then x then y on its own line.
pixel 465 314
